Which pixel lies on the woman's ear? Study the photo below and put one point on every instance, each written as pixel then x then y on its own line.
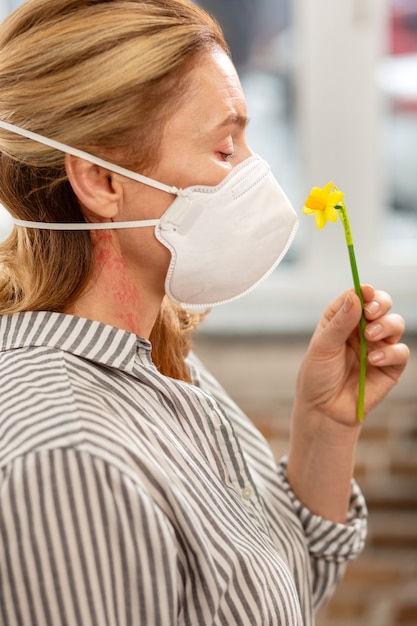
pixel 96 188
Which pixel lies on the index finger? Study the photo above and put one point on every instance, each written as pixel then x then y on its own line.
pixel 376 302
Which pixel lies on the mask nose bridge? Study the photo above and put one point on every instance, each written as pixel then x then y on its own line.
pixel 250 178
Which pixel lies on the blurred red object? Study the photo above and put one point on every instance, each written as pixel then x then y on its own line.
pixel 403 27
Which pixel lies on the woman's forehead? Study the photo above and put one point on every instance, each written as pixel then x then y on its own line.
pixel 214 100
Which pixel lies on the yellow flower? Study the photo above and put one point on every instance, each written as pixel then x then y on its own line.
pixel 322 202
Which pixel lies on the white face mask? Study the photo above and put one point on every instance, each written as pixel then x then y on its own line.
pixel 223 239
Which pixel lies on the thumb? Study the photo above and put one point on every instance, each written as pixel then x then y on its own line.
pixel 342 319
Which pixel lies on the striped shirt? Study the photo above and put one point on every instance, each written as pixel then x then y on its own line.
pixel 131 499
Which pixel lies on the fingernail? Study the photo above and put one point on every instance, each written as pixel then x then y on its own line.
pixel 372 307
pixel 347 305
pixel 376 357
pixel 373 330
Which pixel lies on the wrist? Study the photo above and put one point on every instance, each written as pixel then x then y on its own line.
pixel 321 463
pixel 332 428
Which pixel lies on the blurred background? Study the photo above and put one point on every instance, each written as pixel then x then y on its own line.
pixel 332 95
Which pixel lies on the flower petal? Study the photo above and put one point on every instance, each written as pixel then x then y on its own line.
pixel 331 214
pixel 335 197
pixel 321 219
pixel 327 188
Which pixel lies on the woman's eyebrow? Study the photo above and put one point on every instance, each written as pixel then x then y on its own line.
pixel 235 119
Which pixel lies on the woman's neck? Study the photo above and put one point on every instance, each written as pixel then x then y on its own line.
pixel 114 295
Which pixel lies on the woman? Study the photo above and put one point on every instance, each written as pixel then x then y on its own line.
pixel 132 489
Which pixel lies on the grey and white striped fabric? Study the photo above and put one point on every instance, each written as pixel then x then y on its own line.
pixel 131 499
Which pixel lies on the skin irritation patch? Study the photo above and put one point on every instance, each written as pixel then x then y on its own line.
pixel 118 283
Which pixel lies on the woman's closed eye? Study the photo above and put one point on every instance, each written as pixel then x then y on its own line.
pixel 227 156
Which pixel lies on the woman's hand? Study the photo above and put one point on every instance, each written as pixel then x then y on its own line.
pixel 324 426
pixel 328 378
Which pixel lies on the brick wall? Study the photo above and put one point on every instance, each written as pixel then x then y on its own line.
pixel 380 588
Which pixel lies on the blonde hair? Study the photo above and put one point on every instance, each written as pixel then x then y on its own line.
pixel 91 74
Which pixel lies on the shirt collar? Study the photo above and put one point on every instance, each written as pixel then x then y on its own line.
pixel 88 339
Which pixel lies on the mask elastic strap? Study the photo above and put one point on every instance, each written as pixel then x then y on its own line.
pixel 86 225
pixel 62 147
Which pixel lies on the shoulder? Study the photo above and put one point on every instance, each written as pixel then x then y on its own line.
pixel 53 400
pixel 37 401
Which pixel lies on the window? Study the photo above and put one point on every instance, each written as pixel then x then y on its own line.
pixel 397 77
pixel 322 109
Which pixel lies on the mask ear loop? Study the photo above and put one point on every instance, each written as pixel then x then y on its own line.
pixel 117 169
pixel 86 225
pixel 62 147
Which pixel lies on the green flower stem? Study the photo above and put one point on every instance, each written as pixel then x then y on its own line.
pixel 357 284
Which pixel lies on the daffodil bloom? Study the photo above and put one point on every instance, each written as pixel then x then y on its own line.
pixel 326 203
pixel 322 203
